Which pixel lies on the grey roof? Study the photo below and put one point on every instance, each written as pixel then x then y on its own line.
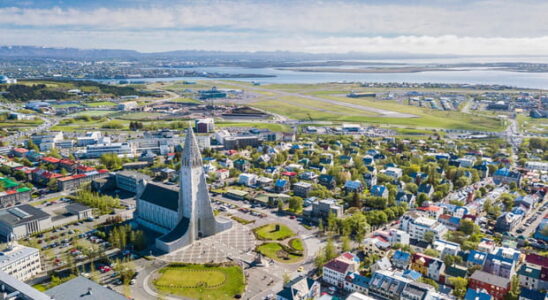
pixel 83 288
pixel 162 195
pixel 490 279
pixel 21 214
pixel 77 207
pixel 191 153
pixel 26 291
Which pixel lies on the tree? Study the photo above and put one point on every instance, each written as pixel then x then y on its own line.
pixel 52 185
pixel 460 284
pixel 515 290
pixel 422 198
pixel 430 282
pixel 330 250
pixel 32 146
pixel 429 236
pixel 346 246
pixel 280 206
pixel 450 259
pixel 432 252
pixel 467 226
pixel 111 161
pixel 296 204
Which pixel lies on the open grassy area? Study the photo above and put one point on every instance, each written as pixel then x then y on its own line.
pixel 141 116
pixel 242 220
pixel 271 126
pixel 273 232
pixel 201 282
pixel 93 113
pixel 277 253
pixel 100 103
pixel 296 244
pixel 532 125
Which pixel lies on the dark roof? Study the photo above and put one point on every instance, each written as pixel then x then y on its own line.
pixel 21 214
pixel 338 266
pixel 162 195
pixel 490 279
pixel 532 294
pixel 84 289
pixel 77 207
pixel 176 232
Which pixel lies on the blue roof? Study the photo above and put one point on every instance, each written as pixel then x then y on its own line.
pixel 411 274
pixel 378 190
pixel 358 279
pixel 532 294
pixel 401 255
pixel 353 184
pixel 454 220
pixel 510 260
pixel 476 257
pixel 281 182
pixel 425 188
pixel 472 294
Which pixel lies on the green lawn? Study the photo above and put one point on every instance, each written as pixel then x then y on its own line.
pixel 192 281
pixel 268 232
pixel 277 253
pixel 93 113
pixel 271 126
pixel 100 103
pixel 296 244
pixel 141 116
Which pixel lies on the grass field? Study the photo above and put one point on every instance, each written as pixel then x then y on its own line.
pixel 195 281
pixel 93 113
pixel 100 103
pixel 296 244
pixel 271 126
pixel 141 116
pixel 532 125
pixel 277 253
pixel 305 109
pixel 269 232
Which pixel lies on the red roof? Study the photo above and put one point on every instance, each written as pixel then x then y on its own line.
pixel 537 260
pixel 429 208
pixel 50 159
pixel 103 171
pixel 231 152
pixel 10 192
pixel 85 168
pixel 67 162
pixel 289 173
pixel 338 266
pixel 20 150
pixel 67 178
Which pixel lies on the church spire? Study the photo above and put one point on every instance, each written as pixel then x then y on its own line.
pixel 191 153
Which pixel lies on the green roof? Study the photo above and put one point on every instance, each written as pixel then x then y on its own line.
pixel 237 192
pixel 23 189
pixel 456 271
pixel 8 183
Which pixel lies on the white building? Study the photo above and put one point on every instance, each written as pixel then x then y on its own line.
pixel 90 138
pixel 20 262
pixel 393 172
pixel 6 80
pixel 128 105
pixel 446 248
pixel 536 166
pixel 247 179
pixel 334 272
pixel 418 226
pixel 120 149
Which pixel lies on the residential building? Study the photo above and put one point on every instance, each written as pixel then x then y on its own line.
pixel 300 288
pixel 393 172
pixel 387 285
pixel 83 288
pixel 334 272
pixel 356 283
pixel 446 248
pixel 472 294
pixel 418 227
pixel 15 196
pixel 247 179
pixel 20 261
pixel 401 259
pixel 379 191
pixel 74 182
pixel 505 176
pixel 495 286
pixel 507 221
pixel 126 106
pixel 302 189
pixel 206 125
pixel 428 266
pixel 322 209
pixel 90 138
pixel 129 180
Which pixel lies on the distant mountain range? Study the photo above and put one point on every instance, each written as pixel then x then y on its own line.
pixel 18 52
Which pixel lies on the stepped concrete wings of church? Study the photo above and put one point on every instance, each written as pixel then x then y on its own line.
pixel 195 217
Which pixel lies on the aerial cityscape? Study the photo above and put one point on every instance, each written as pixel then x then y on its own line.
pixel 273 150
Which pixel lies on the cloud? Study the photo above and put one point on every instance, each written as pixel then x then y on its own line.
pixel 460 27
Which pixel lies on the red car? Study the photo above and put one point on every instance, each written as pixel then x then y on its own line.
pixel 292 217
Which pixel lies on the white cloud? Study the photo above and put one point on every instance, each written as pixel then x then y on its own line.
pixel 469 27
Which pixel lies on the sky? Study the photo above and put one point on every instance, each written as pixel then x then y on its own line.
pixel 461 27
